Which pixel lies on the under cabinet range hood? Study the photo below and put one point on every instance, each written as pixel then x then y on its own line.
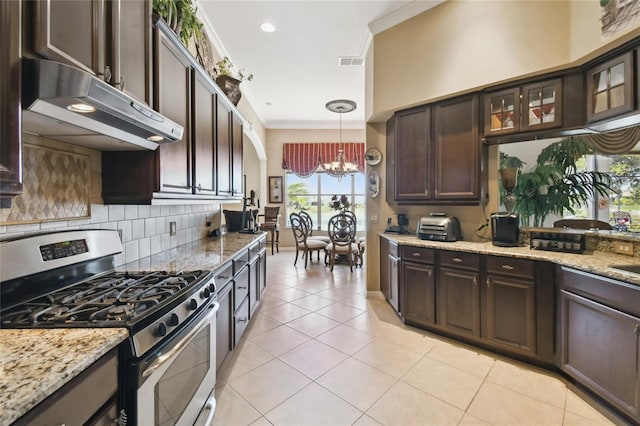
pixel 67 104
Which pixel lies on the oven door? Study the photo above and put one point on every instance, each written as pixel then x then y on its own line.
pixel 179 378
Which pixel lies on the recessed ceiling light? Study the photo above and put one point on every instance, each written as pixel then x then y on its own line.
pixel 267 27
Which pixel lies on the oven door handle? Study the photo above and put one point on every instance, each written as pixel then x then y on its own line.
pixel 163 358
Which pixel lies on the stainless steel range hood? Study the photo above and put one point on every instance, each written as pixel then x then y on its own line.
pixel 108 119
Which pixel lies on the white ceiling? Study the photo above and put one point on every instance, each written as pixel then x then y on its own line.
pixel 296 68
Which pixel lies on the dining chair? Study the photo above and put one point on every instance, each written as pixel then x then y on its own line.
pixel 342 231
pixel 309 222
pixel 304 244
pixel 272 225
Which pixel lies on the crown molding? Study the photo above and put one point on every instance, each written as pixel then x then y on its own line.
pixel 402 14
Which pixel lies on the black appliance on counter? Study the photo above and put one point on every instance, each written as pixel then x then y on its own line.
pixel 439 227
pixel 400 228
pixel 68 280
pixel 505 229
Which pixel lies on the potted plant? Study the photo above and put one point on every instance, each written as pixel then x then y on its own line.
pixel 228 81
pixel 180 15
pixel 556 184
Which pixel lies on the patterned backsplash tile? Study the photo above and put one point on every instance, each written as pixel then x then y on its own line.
pixel 56 187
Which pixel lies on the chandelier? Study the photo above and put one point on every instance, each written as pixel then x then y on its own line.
pixel 341 166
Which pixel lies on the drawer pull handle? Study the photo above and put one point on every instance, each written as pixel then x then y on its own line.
pixel 430 272
pixel 242 319
pixel 415 254
pixel 242 288
pixel 457 260
pixel 223 277
pixel 507 267
pixel 475 281
pixel 488 282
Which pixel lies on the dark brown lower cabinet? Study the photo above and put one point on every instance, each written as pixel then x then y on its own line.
pixel 83 399
pixel 459 301
pixel 224 325
pixel 458 293
pixel 418 293
pixel 600 337
pixel 417 281
pixel 510 304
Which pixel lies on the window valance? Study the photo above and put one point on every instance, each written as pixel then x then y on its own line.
pixel 303 159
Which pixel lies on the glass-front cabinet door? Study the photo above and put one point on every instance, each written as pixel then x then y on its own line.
pixel 610 88
pixel 502 112
pixel 542 105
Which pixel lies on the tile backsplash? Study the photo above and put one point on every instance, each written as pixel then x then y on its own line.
pixel 144 229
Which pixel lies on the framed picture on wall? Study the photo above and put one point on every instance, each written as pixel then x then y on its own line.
pixel 275 189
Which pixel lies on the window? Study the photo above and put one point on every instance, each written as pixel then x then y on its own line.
pixel 314 193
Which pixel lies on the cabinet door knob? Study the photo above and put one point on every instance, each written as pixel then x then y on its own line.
pixel 507 267
pixel 199 187
pixel 430 272
pixel 636 329
pixel 106 74
pixel 488 282
pixel 121 82
pixel 475 281
pixel 457 260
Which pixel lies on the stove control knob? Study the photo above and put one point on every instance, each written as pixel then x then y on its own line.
pixel 161 330
pixel 212 288
pixel 173 320
pixel 192 304
pixel 205 293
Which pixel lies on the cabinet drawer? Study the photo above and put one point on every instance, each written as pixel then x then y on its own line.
pixel 241 319
pixel 241 286
pixel 417 254
pixel 223 275
pixel 240 260
pixel 460 260
pixel 393 249
pixel 521 268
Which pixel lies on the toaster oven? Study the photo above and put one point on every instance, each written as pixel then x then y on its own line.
pixel 439 227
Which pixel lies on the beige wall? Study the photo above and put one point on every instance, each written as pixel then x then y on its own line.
pixel 462 46
pixel 278 137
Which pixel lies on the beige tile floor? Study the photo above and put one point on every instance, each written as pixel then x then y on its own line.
pixel 318 352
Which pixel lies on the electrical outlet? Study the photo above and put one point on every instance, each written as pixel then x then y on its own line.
pixel 373 218
pixel 622 247
pixel 172 229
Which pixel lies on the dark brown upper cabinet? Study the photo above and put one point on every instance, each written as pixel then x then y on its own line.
pixel 237 171
pixel 530 107
pixel 129 47
pixel 10 111
pixel 204 115
pixel 173 99
pixel 610 88
pixel 412 155
pixel 201 166
pixel 109 39
pixel 457 148
pixel 72 32
pixel 433 154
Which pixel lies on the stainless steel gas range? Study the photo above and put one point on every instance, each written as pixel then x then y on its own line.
pixel 167 365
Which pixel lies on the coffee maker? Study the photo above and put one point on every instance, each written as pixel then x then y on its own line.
pixel 505 226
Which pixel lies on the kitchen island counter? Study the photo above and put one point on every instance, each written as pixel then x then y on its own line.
pixel 596 262
pixel 34 363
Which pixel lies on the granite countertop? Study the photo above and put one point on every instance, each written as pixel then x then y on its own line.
pixel 32 363
pixel 208 254
pixel 36 363
pixel 595 262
